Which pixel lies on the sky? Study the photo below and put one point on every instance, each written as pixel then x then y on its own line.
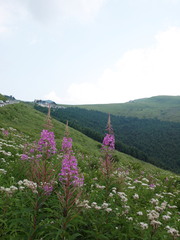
pixel 89 51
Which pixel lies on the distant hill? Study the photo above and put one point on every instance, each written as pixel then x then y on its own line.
pixel 165 108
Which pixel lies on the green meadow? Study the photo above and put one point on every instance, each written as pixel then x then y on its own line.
pixel 127 199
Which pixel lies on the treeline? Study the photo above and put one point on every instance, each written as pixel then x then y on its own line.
pixel 150 140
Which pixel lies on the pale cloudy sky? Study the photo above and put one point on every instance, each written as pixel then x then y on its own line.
pixel 89 51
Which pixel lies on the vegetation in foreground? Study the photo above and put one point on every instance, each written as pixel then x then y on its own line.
pixel 54 190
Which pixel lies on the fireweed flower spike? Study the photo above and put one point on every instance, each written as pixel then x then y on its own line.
pixel 70 180
pixel 47 143
pixel 48 123
pixel 108 147
pixel 69 172
pixel 38 155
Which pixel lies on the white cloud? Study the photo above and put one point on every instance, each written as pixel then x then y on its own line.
pixel 139 73
pixel 52 96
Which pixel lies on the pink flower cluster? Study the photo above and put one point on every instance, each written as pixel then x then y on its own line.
pixel 66 144
pixel 109 142
pixel 47 142
pixel 69 174
pixel 5 132
pixel 46 147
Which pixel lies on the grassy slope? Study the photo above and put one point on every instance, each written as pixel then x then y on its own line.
pixel 166 108
pixel 29 121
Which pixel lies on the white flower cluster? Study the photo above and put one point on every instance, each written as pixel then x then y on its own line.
pixel 154 201
pixel 136 196
pixel 6 153
pixel 99 186
pixel 123 196
pixel 87 205
pixel 173 206
pixel 155 224
pixel 29 184
pixel 3 171
pixel 166 217
pixel 9 190
pixel 140 213
pixel 152 215
pixel 173 231
pixel 84 203
pixel 143 225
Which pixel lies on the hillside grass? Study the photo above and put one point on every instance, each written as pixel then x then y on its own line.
pixel 165 108
pixel 27 120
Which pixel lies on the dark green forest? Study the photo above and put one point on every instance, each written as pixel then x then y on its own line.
pixel 150 140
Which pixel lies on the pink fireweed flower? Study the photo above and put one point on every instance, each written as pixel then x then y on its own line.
pixel 5 132
pixel 109 142
pixel 69 172
pixel 66 144
pixel 48 188
pixel 24 157
pixel 47 143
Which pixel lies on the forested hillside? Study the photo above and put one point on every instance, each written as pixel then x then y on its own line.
pixel 150 140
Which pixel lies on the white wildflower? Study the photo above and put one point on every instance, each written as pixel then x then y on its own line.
pixel 140 213
pixel 136 196
pixel 143 225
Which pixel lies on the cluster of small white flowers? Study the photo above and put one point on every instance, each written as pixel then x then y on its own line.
pixel 9 145
pixel 154 201
pixel 9 190
pixel 99 186
pixel 108 209
pixel 137 181
pixel 6 153
pixel 164 205
pixel 166 217
pixel 84 203
pixel 129 218
pixel 169 194
pixel 140 213
pixel 114 189
pixel 87 205
pixel 132 187
pixel 173 231
pixel 159 195
pixel 126 211
pixel 145 180
pixel 136 196
pixel 111 195
pixel 121 174
pixel 12 129
pixel 173 206
pixel 123 196
pixel 94 205
pixel 105 205
pixel 143 225
pixel 155 224
pixel 3 171
pixel 3 160
pixel 128 178
pixel 29 184
pixel 152 215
